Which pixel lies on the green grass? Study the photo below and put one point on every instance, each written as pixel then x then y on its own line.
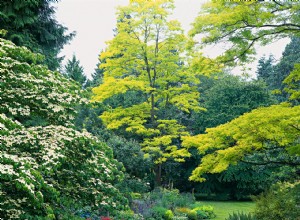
pixel 223 209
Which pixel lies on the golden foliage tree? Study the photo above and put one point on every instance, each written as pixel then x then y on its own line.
pixel 146 55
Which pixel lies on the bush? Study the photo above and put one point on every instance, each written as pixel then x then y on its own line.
pixel 192 214
pixel 240 216
pixel 160 204
pixel 281 202
pixel 128 215
pixel 182 211
pixel 198 213
pixel 205 212
pixel 169 215
pixel 158 212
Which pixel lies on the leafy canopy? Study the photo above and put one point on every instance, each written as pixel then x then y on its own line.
pixel 146 55
pixel 241 25
pixel 260 130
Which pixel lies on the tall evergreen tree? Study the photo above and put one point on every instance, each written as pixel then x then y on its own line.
pixel 97 75
pixel 74 70
pixel 32 24
pixel 274 74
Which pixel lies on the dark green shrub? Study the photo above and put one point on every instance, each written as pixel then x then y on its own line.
pixel 281 202
pixel 158 212
pixel 241 216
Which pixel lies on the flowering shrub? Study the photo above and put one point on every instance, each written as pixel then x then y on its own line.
pixel 47 168
pixel 32 91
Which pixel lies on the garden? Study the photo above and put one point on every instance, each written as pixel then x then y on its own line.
pixel 159 131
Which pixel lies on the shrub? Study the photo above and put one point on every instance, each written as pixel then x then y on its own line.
pixel 182 210
pixel 192 214
pixel 205 212
pixel 128 215
pixel 169 215
pixel 197 213
pixel 240 216
pixel 154 203
pixel 158 212
pixel 281 202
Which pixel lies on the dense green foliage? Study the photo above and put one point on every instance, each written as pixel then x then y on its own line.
pixel 271 130
pixel 170 204
pixel 74 70
pixel 226 98
pixel 274 74
pixel 48 169
pixel 32 24
pixel 280 202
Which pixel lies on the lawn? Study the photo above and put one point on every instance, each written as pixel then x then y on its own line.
pixel 223 209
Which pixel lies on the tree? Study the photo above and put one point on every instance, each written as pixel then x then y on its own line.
pixel 274 74
pixel 265 135
pixel 32 24
pixel 97 76
pixel 243 24
pixel 74 70
pixel 265 71
pixel 225 97
pixel 48 170
pixel 272 132
pixel 228 98
pixel 145 56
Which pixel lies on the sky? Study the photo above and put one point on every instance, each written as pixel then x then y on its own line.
pixel 94 21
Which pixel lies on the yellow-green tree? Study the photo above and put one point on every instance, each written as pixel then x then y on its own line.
pixel 265 135
pixel 242 24
pixel 273 131
pixel 146 55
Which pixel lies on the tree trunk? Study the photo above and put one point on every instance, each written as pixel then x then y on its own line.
pixel 152 109
pixel 158 175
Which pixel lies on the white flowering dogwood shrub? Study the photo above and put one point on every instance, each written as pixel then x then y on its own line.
pixel 47 168
pixel 30 91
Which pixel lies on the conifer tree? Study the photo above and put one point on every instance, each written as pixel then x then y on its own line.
pixel 32 24
pixel 74 70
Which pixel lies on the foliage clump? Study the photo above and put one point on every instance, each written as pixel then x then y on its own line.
pixel 48 169
pixel 170 204
pixel 281 201
pixel 241 216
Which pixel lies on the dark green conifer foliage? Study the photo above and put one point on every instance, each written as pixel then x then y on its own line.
pixel 32 24
pixel 74 70
pixel 274 74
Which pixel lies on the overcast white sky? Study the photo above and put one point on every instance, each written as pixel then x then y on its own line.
pixel 94 21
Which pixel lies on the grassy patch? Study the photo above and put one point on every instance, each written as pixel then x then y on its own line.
pixel 223 209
